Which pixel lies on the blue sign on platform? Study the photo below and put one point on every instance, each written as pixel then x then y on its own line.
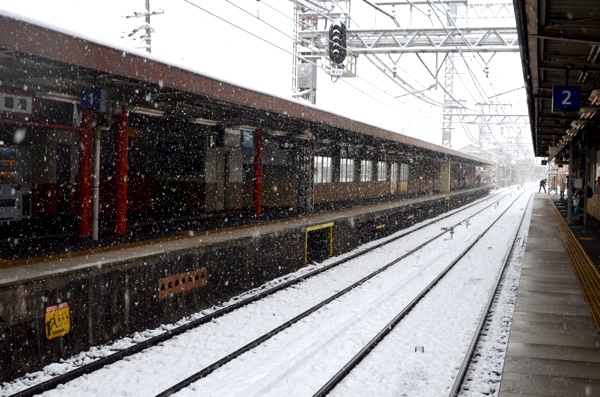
pixel 92 99
pixel 565 97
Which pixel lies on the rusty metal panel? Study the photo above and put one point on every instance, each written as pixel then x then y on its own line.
pixel 187 281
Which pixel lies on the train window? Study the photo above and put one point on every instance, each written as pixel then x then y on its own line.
pixel 346 170
pixel 381 171
pixel 366 170
pixel 403 172
pixel 394 172
pixel 403 177
pixel 323 169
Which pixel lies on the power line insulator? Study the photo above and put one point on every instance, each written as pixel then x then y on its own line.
pixel 337 42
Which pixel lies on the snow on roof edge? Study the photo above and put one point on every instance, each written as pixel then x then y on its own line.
pixel 52 27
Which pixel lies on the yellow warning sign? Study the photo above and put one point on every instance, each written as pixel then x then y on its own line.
pixel 58 320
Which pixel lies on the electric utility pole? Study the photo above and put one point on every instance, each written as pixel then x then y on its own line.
pixel 145 27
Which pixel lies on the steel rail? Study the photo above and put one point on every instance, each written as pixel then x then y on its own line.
pixel 462 372
pixel 153 341
pixel 364 352
pixel 256 342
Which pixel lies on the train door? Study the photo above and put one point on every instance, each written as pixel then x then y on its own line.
pixel 63 177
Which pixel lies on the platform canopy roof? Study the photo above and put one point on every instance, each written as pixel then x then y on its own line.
pixel 48 61
pixel 560 51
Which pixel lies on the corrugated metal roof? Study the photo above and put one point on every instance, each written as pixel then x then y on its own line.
pixel 558 37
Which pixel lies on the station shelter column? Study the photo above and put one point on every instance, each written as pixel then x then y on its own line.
pixel 335 164
pixel 121 172
pixel 445 173
pixel 304 154
pixel 421 175
pixel 84 215
pixel 258 172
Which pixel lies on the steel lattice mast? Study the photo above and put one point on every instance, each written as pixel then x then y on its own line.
pixel 310 48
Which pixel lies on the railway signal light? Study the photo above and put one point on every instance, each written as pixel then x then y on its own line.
pixel 337 42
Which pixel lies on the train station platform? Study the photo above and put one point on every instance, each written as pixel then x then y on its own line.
pixel 554 342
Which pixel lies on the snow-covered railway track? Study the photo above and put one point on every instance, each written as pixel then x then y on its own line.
pixel 432 372
pixel 433 226
pixel 517 242
pixel 321 306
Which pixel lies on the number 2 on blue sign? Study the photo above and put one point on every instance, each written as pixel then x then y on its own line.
pixel 567 100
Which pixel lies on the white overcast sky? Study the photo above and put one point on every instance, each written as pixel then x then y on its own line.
pixel 191 37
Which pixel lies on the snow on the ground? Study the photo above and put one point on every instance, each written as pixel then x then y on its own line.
pixel 156 369
pixel 485 372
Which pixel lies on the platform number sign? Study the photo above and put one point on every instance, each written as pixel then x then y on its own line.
pixel 565 97
pixel 93 99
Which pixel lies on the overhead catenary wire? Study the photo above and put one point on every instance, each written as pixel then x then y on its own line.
pixel 375 6
pixel 413 91
pixel 299 56
pixel 410 90
pixel 361 78
pixel 476 82
pixel 443 88
pixel 468 133
pixel 460 104
pixel 396 77
pixel 479 58
pixel 416 92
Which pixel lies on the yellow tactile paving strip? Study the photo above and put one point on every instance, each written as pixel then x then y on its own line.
pixel 584 267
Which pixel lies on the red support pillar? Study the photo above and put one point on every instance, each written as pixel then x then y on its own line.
pixel 258 174
pixel 121 172
pixel 85 174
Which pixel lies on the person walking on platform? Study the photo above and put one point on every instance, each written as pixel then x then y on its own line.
pixel 542 186
pixel 563 184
